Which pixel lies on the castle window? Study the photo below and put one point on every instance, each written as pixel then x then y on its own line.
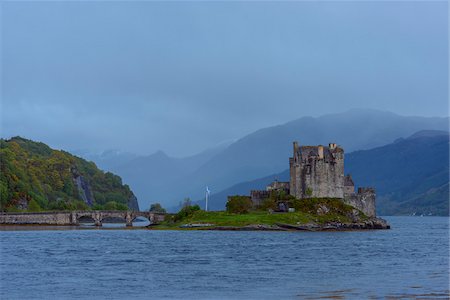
pixel 308 169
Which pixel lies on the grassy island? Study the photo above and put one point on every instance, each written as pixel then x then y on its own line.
pixel 314 214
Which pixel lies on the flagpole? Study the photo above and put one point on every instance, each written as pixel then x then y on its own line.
pixel 206 206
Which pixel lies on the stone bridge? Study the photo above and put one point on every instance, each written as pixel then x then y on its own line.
pixel 73 217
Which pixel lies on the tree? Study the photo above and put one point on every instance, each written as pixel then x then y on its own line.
pixel 239 204
pixel 186 212
pixel 4 195
pixel 111 205
pixel 187 202
pixel 269 204
pixel 51 178
pixel 157 208
pixel 33 206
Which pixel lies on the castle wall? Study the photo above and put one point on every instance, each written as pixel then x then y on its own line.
pixel 317 169
pixel 258 197
pixel 42 218
pixel 294 178
pixel 325 179
pixel 364 200
pixel 295 174
pixel 348 190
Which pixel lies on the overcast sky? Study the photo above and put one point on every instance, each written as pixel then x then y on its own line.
pixel 184 76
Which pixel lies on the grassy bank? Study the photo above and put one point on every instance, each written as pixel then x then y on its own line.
pixel 319 211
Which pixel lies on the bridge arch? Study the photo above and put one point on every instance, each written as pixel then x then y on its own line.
pixel 75 217
pixel 141 220
pixel 85 220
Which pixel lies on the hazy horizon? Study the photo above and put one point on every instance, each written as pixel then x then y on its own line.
pixel 184 77
pixel 89 152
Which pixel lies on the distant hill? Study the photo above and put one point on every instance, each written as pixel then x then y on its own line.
pixel 155 176
pixel 410 175
pixel 265 152
pixel 35 177
pixel 108 160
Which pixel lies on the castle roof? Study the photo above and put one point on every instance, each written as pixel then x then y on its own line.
pixel 348 181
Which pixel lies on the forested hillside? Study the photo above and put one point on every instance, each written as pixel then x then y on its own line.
pixel 34 177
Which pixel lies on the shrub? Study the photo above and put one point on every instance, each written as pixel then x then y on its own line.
pixel 33 206
pixel 239 204
pixel 186 211
pixel 269 204
pixel 157 208
pixel 78 205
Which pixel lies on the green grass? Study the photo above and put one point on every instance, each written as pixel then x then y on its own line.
pixel 306 212
pixel 221 218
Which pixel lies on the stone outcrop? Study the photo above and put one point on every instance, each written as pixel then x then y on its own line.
pixel 370 224
pixel 133 203
pixel 84 189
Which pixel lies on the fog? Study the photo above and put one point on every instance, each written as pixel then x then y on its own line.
pixel 185 76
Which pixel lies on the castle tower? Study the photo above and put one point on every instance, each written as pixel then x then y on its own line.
pixel 317 171
pixel 294 169
pixel 349 186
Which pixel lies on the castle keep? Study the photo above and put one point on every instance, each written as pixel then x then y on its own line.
pixel 318 172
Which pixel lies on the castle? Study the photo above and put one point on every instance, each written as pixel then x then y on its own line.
pixel 318 171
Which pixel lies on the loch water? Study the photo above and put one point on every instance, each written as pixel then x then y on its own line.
pixel 409 261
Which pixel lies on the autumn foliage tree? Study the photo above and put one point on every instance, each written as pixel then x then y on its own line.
pixel 44 179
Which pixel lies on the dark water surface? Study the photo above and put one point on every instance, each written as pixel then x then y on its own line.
pixel 411 260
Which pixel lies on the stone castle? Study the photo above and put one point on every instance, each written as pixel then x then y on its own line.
pixel 318 171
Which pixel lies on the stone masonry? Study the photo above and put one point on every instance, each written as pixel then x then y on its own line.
pixel 317 171
pixel 73 217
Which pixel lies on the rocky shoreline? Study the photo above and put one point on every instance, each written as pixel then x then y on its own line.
pixel 370 224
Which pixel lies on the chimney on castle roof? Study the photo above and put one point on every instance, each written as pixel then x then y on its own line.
pixel 320 151
pixel 295 147
pixel 332 146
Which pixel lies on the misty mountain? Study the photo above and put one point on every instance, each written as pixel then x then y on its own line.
pixel 153 176
pixel 266 151
pixel 410 175
pixel 107 160
pixel 160 178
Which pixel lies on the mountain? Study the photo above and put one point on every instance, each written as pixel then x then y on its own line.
pixel 265 151
pixel 154 176
pixel 107 160
pixel 410 175
pixel 35 177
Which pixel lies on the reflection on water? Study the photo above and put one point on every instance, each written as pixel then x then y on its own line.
pixel 408 262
